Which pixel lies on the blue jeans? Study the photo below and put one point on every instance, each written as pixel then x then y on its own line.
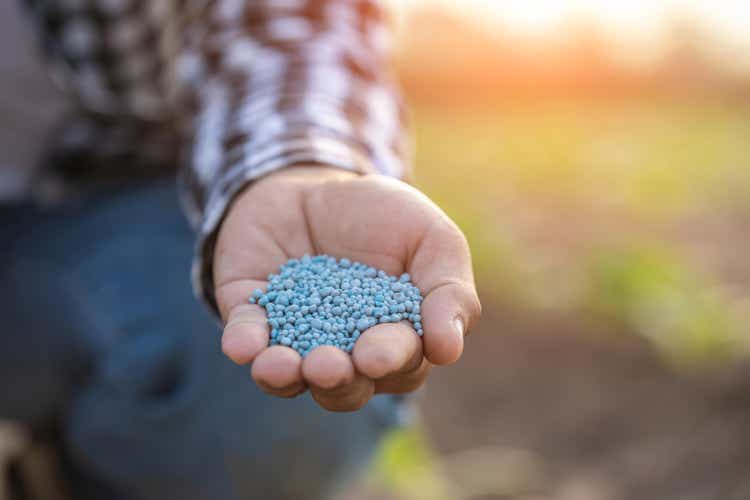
pixel 101 338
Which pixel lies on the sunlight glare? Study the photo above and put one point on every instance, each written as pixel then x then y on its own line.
pixel 729 19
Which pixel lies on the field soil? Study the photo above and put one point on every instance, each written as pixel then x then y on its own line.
pixel 574 414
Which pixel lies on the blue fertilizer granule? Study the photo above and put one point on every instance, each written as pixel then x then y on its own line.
pixel 316 301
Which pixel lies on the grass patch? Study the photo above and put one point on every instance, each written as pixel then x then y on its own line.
pixel 653 164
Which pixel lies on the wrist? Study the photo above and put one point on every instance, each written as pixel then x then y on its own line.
pixel 298 175
pixel 311 171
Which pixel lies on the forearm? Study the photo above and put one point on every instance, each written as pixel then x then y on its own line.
pixel 272 87
pixel 253 86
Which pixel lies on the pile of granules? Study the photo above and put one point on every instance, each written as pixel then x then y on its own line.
pixel 316 301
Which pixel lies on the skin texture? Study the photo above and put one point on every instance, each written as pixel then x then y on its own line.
pixel 372 219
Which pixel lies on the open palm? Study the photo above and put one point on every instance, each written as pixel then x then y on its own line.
pixel 371 219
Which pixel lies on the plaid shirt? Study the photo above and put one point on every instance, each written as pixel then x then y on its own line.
pixel 229 90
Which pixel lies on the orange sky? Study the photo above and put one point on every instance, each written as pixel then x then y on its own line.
pixel 628 18
pixel 636 27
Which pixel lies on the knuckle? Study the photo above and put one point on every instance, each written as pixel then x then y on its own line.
pixel 345 399
pixel 409 386
pixel 292 393
pixel 288 392
pixel 332 382
pixel 404 384
pixel 245 312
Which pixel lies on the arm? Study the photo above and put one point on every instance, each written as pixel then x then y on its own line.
pixel 255 86
pixel 272 84
pixel 326 111
pixel 293 135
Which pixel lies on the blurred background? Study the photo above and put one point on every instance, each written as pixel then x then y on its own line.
pixel 596 155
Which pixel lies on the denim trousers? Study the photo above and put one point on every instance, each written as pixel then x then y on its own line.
pixel 102 339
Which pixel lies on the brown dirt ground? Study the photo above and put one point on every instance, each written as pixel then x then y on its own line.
pixel 601 419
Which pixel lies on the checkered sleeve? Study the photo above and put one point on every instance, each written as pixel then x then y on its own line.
pixel 273 83
pixel 253 86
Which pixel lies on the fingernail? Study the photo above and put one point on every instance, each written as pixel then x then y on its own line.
pixel 458 324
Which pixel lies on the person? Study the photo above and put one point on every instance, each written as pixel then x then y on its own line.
pixel 284 127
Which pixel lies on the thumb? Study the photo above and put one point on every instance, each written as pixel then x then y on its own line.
pixel 441 268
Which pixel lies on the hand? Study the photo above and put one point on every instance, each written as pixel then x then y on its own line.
pixel 372 219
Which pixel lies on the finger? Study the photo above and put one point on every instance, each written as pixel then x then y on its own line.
pixel 235 293
pixel 441 268
pixel 277 370
pixel 333 381
pixel 387 348
pixel 245 334
pixel 328 367
pixel 402 383
pixel 447 313
pixel 350 398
